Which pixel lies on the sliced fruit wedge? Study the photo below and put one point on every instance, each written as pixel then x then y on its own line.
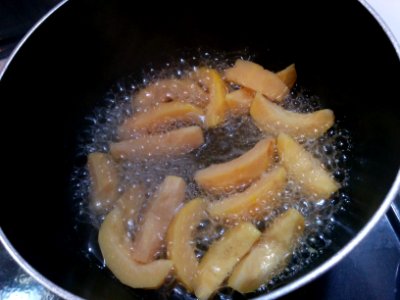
pixel 270 255
pixel 180 241
pixel 239 101
pixel 305 169
pixel 183 90
pixel 288 76
pixel 256 78
pixel 117 256
pixel 222 256
pixel 104 181
pixel 234 174
pixel 274 119
pixel 159 118
pixel 262 195
pixel 131 203
pixel 217 108
pixel 174 142
pixel 160 211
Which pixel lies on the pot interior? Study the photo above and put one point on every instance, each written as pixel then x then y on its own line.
pixel 69 64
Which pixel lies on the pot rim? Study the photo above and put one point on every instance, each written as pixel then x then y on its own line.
pixel 303 280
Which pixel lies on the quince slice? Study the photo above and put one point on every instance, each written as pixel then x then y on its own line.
pixel 222 256
pixel 117 255
pixel 183 90
pixel 303 167
pixel 261 195
pixel 160 117
pixel 272 118
pixel 256 78
pixel 239 101
pixel 104 181
pixel 288 76
pixel 160 211
pixel 234 174
pixel 217 108
pixel 180 241
pixel 270 255
pixel 175 142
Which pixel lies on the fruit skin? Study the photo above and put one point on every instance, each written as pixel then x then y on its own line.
pixel 239 101
pixel 180 241
pixel 305 169
pixel 115 248
pixel 104 181
pixel 222 256
pixel 270 255
pixel 288 76
pixel 274 119
pixel 232 175
pixel 253 76
pixel 216 109
pixel 261 196
pixel 175 142
pixel 160 117
pixel 157 217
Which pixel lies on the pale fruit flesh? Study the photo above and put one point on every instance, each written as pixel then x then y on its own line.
pixel 232 175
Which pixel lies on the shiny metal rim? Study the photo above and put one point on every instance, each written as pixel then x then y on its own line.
pixel 274 294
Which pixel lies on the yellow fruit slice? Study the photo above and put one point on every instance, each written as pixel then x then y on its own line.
pixel 118 258
pixel 270 255
pixel 272 118
pixel 174 142
pixel 305 169
pixel 222 256
pixel 160 211
pixel 180 241
pixel 288 76
pixel 104 181
pixel 256 78
pixel 217 108
pixel 159 118
pixel 234 174
pixel 260 196
pixel 183 90
pixel 239 101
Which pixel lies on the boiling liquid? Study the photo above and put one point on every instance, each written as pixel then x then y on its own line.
pixel 232 139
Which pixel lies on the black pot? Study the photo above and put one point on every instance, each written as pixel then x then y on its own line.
pixel 70 62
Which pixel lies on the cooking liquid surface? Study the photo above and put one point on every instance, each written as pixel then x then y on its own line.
pixel 232 139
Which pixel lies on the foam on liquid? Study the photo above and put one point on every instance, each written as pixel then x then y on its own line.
pixel 222 144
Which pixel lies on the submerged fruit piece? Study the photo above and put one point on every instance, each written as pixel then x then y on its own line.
pixel 216 108
pixel 174 142
pixel 182 90
pixel 117 256
pixel 223 255
pixel 232 175
pixel 288 76
pixel 255 77
pixel 104 181
pixel 180 241
pixel 159 117
pixel 239 101
pixel 131 203
pixel 261 195
pixel 274 119
pixel 160 211
pixel 270 255
pixel 305 169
